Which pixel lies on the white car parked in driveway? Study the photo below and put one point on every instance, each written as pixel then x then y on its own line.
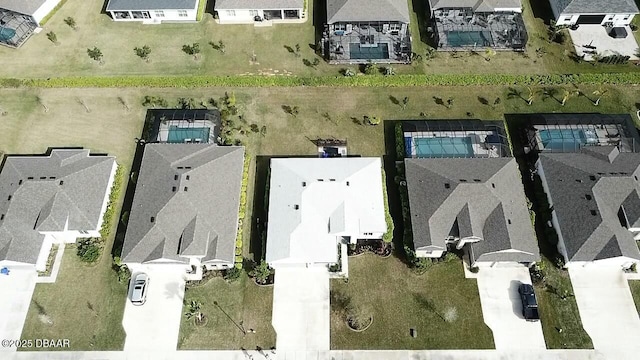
pixel 139 286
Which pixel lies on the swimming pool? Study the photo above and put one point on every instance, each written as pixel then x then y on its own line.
pixel 443 147
pixel 181 135
pixel 468 38
pixel 369 53
pixel 566 139
pixel 6 33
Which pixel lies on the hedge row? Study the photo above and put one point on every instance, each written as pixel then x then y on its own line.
pixel 632 78
pixel 242 210
pixel 388 236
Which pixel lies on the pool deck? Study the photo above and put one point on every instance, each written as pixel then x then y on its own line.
pixel 165 130
pixel 477 141
pixel 604 135
pixel 398 46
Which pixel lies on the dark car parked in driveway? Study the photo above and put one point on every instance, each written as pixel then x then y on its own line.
pixel 529 302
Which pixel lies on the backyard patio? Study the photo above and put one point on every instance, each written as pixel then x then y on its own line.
pixel 466 29
pixel 371 41
pixel 589 40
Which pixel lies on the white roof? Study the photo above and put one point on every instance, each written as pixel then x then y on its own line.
pixel 334 197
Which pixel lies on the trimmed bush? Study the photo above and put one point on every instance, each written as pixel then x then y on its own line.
pixel 233 274
pixel 89 249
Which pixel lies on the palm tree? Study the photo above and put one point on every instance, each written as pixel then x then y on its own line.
pixel 566 94
pixel 532 93
pixel 599 94
pixel 194 309
pixel 488 54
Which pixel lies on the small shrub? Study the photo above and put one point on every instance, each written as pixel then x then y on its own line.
pixel 95 54
pixel 89 249
pixel 261 272
pixel 52 37
pixel 389 71
pixel 71 22
pixel 239 259
pixel 450 256
pixel 348 72
pixel 474 269
pixel 238 266
pixel 233 274
pixel 370 69
pixel 372 120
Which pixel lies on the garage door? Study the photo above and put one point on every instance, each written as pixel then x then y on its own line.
pixel 591 19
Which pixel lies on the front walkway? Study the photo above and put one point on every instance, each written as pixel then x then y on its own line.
pixel 606 306
pixel 156 324
pixel 502 308
pixel 596 36
pixel 301 309
pixel 16 290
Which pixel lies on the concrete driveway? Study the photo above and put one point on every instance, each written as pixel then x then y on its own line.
pixel 16 290
pixel 156 324
pixel 301 309
pixel 606 308
pixel 502 308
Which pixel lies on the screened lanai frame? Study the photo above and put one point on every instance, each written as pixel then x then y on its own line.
pixel 21 25
pixel 376 42
pixel 570 129
pixel 443 132
pixel 198 125
pixel 465 35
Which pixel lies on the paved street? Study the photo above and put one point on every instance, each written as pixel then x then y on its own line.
pixel 606 307
pixel 502 308
pixel 301 309
pixel 156 324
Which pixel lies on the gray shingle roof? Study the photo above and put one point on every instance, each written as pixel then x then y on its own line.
pixel 45 194
pixel 27 7
pixel 117 5
pixel 587 192
pixel 476 5
pixel 483 196
pixel 192 193
pixel 594 6
pixel 367 10
pixel 259 4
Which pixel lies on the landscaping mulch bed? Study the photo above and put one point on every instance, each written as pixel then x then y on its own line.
pixel 377 247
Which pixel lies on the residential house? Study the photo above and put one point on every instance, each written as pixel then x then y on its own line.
pixel 19 19
pixel 183 126
pixel 594 202
pixel 473 204
pixel 598 12
pixel 185 207
pixel 153 11
pixel 260 12
pixel 316 204
pixel 51 199
pixel 497 24
pixel 364 31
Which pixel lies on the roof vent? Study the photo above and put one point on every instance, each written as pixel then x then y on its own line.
pixel 52 177
pixel 509 221
pixel 587 196
pixel 347 183
pixel 186 189
pixel 304 183
pixel 296 206
pixel 593 177
pixel 463 180
pixel 30 178
pixel 2 217
pixel 61 182
pixel 173 189
pixel 578 180
pixel 20 182
pixel 477 180
pixel 332 179
pixel 153 219
pixel 42 177
pixel 493 185
pixel 187 167
pixel 594 213
pixel 188 177
pixel 635 177
pixel 320 179
pixel 447 185
pixel 9 198
pixel 175 177
pixel 180 167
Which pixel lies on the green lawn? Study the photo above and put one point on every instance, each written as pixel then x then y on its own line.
pixel 38 57
pixel 634 285
pixel 241 304
pixel 558 314
pixel 399 300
